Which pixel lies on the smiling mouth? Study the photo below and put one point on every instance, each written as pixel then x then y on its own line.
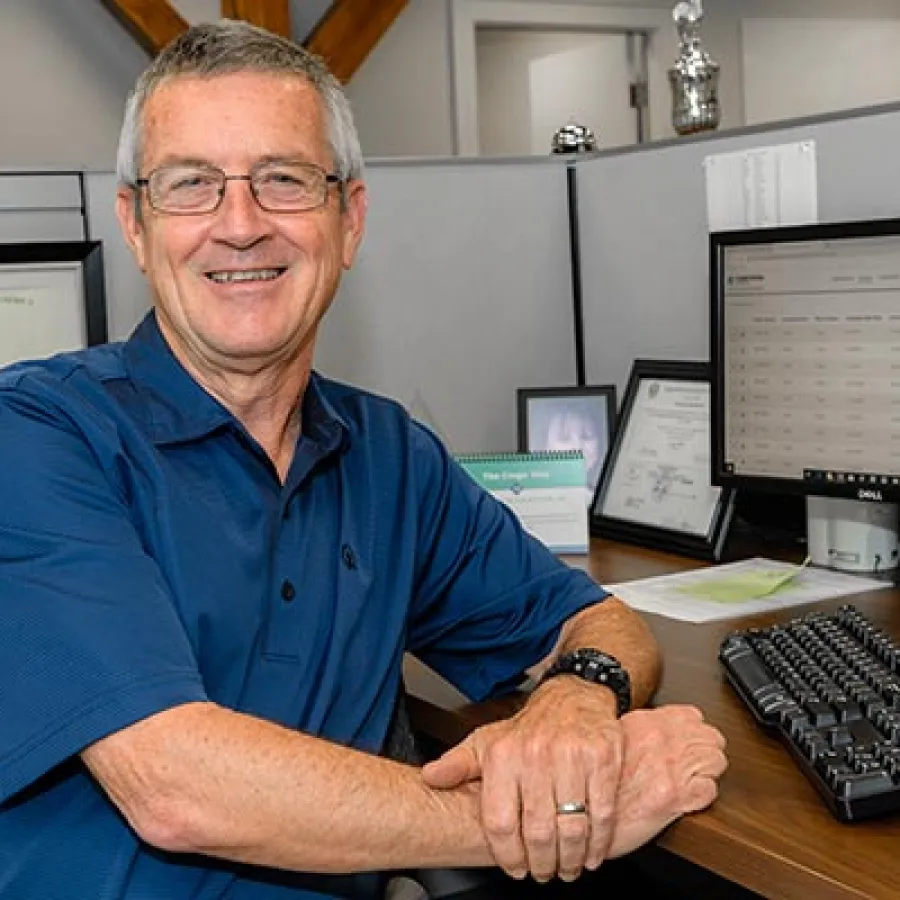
pixel 240 276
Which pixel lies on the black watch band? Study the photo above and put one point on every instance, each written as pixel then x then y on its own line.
pixel 598 668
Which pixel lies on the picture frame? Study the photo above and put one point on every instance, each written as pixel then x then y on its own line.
pixel 656 488
pixel 52 298
pixel 569 418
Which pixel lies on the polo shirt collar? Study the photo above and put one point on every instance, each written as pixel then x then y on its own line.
pixel 178 409
pixel 322 422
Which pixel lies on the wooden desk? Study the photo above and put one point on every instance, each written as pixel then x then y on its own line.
pixel 769 830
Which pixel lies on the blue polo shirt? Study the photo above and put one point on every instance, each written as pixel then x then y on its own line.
pixel 150 557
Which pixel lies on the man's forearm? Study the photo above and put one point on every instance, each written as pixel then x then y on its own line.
pixel 202 779
pixel 616 629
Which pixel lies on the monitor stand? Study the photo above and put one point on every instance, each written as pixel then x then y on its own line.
pixel 852 535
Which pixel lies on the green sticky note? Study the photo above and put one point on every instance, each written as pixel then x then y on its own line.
pixel 743 586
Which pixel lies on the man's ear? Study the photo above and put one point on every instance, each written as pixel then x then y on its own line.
pixel 131 221
pixel 356 203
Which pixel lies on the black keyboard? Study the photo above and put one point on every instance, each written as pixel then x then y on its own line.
pixel 829 686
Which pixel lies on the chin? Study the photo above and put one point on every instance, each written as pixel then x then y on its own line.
pixel 255 347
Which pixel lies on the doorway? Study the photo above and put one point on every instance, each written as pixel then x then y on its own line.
pixel 530 82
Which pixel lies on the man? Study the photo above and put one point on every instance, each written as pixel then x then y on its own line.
pixel 213 561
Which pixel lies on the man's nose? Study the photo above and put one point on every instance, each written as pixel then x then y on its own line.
pixel 240 218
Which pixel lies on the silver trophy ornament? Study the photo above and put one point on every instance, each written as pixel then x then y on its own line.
pixel 574 138
pixel 695 76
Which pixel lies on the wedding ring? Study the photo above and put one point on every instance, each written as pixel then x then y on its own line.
pixel 572 808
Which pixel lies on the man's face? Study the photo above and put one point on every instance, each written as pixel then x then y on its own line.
pixel 233 122
pixel 571 431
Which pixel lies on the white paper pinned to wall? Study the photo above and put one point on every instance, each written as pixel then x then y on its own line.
pixel 762 187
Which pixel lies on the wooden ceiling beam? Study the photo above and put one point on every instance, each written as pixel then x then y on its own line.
pixel 273 15
pixel 152 23
pixel 350 30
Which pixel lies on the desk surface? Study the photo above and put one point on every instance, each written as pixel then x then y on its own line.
pixel 769 830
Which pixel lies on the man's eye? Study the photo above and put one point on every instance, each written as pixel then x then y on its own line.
pixel 287 181
pixel 191 182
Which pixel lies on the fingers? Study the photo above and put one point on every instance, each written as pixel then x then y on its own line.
pixel 454 768
pixel 573 830
pixel 602 794
pixel 501 807
pixel 703 792
pixel 521 803
pixel 539 826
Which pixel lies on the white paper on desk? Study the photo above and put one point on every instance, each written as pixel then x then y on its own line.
pixel 665 595
pixel 763 187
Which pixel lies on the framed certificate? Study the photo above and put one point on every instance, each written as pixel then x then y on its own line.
pixel 655 488
pixel 52 298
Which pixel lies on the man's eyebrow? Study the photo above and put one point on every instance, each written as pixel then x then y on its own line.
pixel 173 160
pixel 266 160
pixel 281 158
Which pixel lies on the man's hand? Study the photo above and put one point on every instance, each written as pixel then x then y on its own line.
pixel 564 746
pixel 672 762
pixel 636 776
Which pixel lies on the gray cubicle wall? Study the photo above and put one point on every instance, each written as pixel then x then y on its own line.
pixel 41 206
pixel 644 230
pixel 461 294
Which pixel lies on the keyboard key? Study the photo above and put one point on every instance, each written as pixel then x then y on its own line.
pixel 839 736
pixel 821 713
pixel 856 786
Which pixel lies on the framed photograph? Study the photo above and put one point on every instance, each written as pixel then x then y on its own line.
pixel 52 299
pixel 655 488
pixel 569 418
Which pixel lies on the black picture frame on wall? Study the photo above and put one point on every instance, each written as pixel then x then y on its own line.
pixel 52 298
pixel 569 418
pixel 656 488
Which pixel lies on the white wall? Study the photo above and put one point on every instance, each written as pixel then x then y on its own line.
pixel 197 10
pixel 65 68
pixel 849 64
pixel 305 14
pixel 503 86
pixel 402 93
pixel 722 29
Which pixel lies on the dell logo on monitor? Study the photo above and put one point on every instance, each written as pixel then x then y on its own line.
pixel 868 494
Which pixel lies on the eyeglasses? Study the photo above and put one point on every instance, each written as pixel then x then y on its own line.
pixel 282 187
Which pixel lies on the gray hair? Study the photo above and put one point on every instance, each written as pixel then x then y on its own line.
pixel 226 47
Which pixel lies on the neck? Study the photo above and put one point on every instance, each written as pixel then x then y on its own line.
pixel 268 408
pixel 265 398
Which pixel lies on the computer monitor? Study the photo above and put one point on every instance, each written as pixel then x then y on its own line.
pixel 805 360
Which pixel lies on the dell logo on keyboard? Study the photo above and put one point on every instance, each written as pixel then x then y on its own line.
pixel 868 494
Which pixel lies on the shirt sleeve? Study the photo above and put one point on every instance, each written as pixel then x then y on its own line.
pixel 90 641
pixel 490 599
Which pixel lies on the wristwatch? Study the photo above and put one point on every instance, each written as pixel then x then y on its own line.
pixel 598 668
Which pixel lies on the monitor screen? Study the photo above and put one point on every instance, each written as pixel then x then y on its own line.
pixel 805 353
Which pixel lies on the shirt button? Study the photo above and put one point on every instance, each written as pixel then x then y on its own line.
pixel 288 592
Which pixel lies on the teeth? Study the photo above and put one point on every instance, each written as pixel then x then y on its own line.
pixel 244 275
